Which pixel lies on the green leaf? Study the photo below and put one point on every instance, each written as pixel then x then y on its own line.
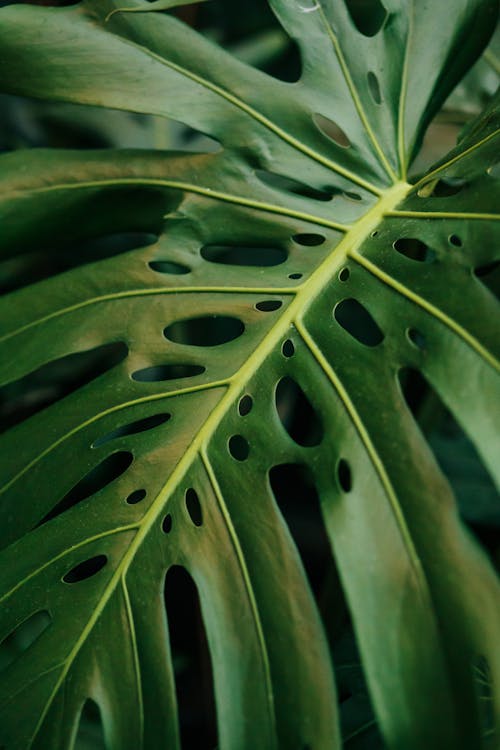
pixel 152 7
pixel 296 265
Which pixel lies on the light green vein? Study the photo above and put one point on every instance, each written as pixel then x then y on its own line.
pixel 246 578
pixel 145 293
pixel 428 307
pixel 370 449
pixel 462 155
pixel 188 187
pixel 317 281
pixel 137 666
pixel 355 96
pixel 442 215
pixel 403 97
pixel 258 117
pixel 63 554
pixel 96 613
pixel 148 520
pixel 107 412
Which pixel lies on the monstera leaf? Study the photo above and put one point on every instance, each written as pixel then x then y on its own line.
pixel 272 301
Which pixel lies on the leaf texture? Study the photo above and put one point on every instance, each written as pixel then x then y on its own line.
pixel 257 263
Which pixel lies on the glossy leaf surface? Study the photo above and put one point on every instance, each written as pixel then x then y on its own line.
pixel 375 277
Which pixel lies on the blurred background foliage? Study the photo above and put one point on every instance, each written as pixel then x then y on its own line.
pixel 250 31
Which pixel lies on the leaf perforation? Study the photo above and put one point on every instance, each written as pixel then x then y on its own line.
pixel 454 160
pixel 290 290
pixel 246 578
pixel 119 407
pixel 355 96
pixel 109 590
pixel 427 306
pixel 370 449
pixel 292 314
pixel 273 339
pixel 262 119
pixel 196 214
pixel 190 188
pixel 62 555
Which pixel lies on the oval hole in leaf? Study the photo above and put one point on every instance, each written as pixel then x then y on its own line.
pixel 331 130
pixel 166 525
pixel 344 475
pixel 234 255
pixel 53 381
pixel 455 240
pixel 22 637
pixel 344 274
pixel 357 321
pixel 296 413
pixel 374 87
pixel 193 506
pixel 269 305
pixel 90 732
pixel 97 479
pixel 295 276
pixel 309 240
pixel 414 249
pixel 136 497
pixel 291 185
pixel 288 348
pixel 368 17
pixel 209 330
pixel 297 498
pixel 142 425
pixel 352 196
pixel 169 267
pixel 86 569
pixel 189 648
pixel 245 406
pixel 238 447
pixel 160 373
pixel 416 338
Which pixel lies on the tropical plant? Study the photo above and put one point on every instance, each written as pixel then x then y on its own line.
pixel 253 339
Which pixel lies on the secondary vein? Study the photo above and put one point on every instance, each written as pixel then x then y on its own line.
pixel 428 307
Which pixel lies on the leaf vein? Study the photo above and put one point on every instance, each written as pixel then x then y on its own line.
pixel 370 449
pixel 258 116
pixel 428 307
pixel 355 95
